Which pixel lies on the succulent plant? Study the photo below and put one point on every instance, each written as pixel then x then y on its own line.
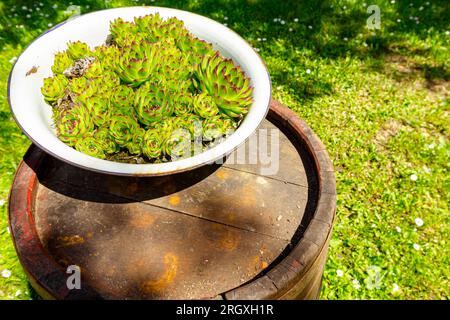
pixel 121 30
pixel 205 106
pixel 53 88
pixel 77 50
pixel 99 109
pixel 122 129
pixel 94 70
pixel 226 83
pixel 103 136
pixel 90 146
pixel 135 145
pixel 74 124
pixel 152 144
pixel 152 104
pixel 137 63
pixel 61 62
pixel 177 143
pixel 145 95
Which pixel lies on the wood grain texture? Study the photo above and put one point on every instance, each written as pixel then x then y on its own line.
pixel 220 231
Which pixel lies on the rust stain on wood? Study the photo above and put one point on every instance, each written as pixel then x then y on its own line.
pixel 171 268
pixel 174 200
pixel 64 241
pixel 142 221
pixel 222 174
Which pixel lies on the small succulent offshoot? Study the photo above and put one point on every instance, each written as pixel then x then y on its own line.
pixel 145 95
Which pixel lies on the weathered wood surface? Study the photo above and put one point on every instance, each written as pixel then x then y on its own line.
pixel 219 231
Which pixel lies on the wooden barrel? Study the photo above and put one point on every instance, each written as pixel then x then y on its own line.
pixel 240 230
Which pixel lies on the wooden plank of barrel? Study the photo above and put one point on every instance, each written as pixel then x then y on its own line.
pixel 246 229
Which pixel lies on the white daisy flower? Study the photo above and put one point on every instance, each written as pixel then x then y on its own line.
pixel 413 177
pixel 339 273
pixel 395 288
pixel 6 273
pixel 2 202
pixel 296 20
pixel 416 246
pixel 309 27
pixel 398 229
pixel 308 71
pixel 356 284
pixel 418 222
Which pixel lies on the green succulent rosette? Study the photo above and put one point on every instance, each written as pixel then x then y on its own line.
pixel 103 136
pixel 152 104
pixel 226 83
pixel 183 105
pixel 122 98
pixel 121 31
pixel 77 50
pixel 138 62
pixel 90 146
pixel 122 129
pixel 73 124
pixel 177 143
pixel 83 86
pixel 61 62
pixel 108 55
pixel 135 146
pixel 152 144
pixel 54 88
pixel 95 70
pixel 99 109
pixel 205 106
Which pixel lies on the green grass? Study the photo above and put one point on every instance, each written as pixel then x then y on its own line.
pixel 378 100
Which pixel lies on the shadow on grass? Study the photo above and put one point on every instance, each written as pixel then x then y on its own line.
pixel 322 29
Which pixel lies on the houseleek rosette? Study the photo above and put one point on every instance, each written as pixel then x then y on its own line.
pixel 121 30
pixel 73 124
pixel 90 146
pixel 205 106
pixel 95 70
pixel 77 50
pixel 122 129
pixel 103 136
pixel 177 143
pixel 152 144
pixel 152 104
pixel 122 98
pixel 226 83
pixel 137 62
pixel 61 62
pixel 83 86
pixel 183 105
pixel 135 145
pixel 53 88
pixel 99 109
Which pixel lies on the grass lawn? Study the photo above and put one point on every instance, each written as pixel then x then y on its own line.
pixel 377 98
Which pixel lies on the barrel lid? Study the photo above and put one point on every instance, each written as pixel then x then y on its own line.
pixel 219 231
